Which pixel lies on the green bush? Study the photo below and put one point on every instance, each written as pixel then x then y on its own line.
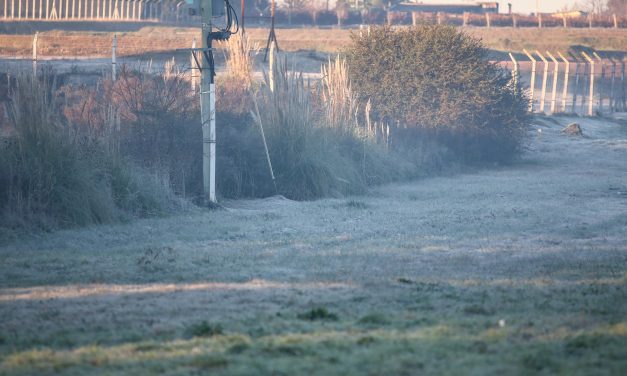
pixel 438 81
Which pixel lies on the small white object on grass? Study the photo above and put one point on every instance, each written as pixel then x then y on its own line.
pixel 501 323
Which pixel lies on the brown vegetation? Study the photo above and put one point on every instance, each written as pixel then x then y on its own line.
pixel 167 39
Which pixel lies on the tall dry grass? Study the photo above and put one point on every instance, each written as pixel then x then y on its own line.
pixel 316 143
pixel 240 55
pixel 54 174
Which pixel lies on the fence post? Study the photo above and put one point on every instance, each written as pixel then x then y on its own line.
pixel 515 74
pixel 114 47
pixel 545 76
pixel 539 21
pixel 615 20
pixel 612 98
pixel 5 9
pixel 566 72
pixel 555 74
pixel 19 9
pixel 40 9
pixel 622 85
pixel 514 21
pixel 413 18
pixel 532 84
pixel 591 99
pixel 35 40
pixel 576 89
pixel 601 78
pixel 487 19
pixel 465 19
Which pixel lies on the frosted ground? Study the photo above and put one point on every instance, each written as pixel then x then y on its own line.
pixel 507 270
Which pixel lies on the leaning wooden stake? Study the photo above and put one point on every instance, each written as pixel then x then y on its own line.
pixel 271 67
pixel 591 99
pixel 265 144
pixel 192 65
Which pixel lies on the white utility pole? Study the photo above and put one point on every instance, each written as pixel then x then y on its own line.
pixel 207 107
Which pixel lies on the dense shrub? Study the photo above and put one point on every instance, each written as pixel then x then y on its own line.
pixel 438 81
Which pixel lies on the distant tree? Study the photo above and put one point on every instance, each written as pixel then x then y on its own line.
pixel 261 6
pixel 341 9
pixel 618 7
pixel 595 6
pixel 291 5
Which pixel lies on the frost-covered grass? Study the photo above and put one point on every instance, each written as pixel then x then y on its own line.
pixel 513 270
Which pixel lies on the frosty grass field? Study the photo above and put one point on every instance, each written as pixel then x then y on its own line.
pixel 504 270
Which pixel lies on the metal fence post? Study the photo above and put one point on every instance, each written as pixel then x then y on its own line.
pixel 545 76
pixel 554 88
pixel 601 79
pixel 35 40
pixel 591 99
pixel 532 84
pixel 566 72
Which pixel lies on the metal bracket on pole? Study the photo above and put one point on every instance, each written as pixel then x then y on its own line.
pixel 207 53
pixel 272 35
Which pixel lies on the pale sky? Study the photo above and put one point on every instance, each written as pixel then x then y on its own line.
pixel 518 6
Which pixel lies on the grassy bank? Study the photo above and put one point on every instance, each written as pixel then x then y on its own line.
pixel 448 274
